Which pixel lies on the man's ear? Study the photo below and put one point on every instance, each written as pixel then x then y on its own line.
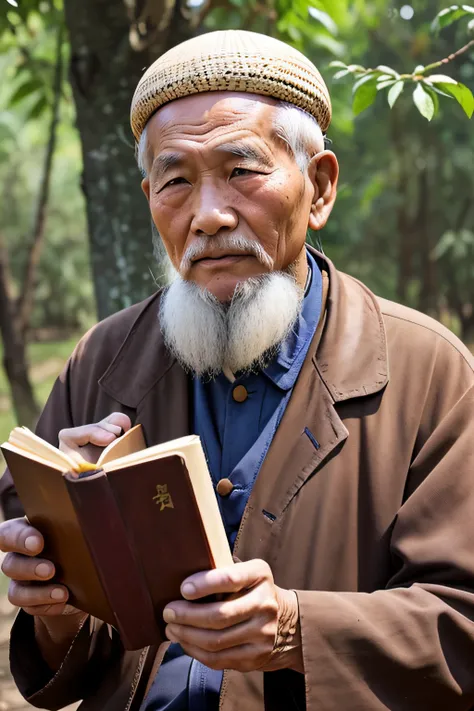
pixel 146 187
pixel 323 171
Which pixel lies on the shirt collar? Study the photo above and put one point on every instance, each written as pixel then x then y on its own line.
pixel 284 369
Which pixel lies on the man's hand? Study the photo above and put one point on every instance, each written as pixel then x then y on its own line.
pixel 254 628
pixel 89 440
pixel 22 543
pixel 56 622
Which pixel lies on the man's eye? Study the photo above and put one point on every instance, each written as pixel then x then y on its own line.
pixel 175 181
pixel 237 172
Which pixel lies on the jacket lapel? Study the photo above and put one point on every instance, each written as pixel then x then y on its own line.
pixel 146 378
pixel 347 359
pixel 310 430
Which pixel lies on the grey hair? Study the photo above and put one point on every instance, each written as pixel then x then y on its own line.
pixel 142 153
pixel 298 129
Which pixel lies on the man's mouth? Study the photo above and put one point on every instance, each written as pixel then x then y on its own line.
pixel 220 258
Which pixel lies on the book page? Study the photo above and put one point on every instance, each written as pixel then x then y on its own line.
pixel 33 457
pixel 175 446
pixel 23 439
pixel 129 443
pixel 206 499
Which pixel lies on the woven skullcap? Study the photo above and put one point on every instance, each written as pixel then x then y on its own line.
pixel 231 60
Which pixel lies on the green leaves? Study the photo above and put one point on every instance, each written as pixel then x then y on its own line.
pixel 364 94
pixel 456 90
pixel 24 90
pixel 368 82
pixel 325 19
pixel 449 15
pixel 463 96
pixel 295 23
pixel 395 92
pixel 424 102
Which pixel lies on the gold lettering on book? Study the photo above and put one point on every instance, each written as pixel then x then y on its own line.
pixel 163 497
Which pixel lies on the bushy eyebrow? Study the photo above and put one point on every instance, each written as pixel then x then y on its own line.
pixel 244 150
pixel 166 161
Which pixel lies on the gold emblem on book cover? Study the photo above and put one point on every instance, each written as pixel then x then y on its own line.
pixel 163 497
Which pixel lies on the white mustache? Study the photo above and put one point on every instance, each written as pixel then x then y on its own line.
pixel 235 243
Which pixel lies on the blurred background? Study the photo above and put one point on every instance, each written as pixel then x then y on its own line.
pixel 75 240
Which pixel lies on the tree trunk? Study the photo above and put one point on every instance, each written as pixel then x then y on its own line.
pixel 104 73
pixel 14 352
pixel 26 301
pixel 15 315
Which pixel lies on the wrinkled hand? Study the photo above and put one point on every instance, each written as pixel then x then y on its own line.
pixel 89 440
pixel 56 622
pixel 30 574
pixel 254 628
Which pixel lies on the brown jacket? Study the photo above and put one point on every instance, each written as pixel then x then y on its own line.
pixel 373 513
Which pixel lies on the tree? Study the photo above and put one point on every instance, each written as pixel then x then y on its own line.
pixel 112 42
pixel 15 313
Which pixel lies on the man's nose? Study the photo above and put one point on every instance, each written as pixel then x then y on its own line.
pixel 212 212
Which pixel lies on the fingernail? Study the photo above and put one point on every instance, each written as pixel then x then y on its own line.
pixel 43 570
pixel 170 635
pixel 188 589
pixel 32 543
pixel 57 594
pixel 169 615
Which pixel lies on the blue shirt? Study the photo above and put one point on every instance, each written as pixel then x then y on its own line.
pixel 236 435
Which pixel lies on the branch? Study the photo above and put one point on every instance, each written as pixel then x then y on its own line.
pixel 26 300
pixel 450 58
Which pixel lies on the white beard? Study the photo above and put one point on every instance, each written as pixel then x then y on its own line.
pixel 208 337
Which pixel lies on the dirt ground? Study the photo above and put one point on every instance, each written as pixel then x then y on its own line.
pixel 9 695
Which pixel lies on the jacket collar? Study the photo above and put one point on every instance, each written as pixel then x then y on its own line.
pixel 351 358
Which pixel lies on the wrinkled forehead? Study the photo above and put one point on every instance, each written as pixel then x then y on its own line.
pixel 206 115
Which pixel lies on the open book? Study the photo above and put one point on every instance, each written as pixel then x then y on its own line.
pixel 125 532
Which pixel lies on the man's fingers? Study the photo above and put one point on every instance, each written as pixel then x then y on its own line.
pixel 216 615
pixel 117 422
pixel 17 536
pixel 87 434
pixel 118 419
pixel 220 640
pixel 20 567
pixel 236 578
pixel 31 595
pixel 100 434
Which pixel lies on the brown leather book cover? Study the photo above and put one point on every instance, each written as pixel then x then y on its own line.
pixel 103 528
pixel 122 542
pixel 164 526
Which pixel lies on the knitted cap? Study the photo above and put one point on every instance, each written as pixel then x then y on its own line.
pixel 231 60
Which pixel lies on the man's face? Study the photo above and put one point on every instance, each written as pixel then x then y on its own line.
pixel 218 172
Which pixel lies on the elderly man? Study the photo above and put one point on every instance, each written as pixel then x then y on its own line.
pixel 338 428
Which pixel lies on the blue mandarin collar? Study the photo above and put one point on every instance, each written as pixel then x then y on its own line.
pixel 285 367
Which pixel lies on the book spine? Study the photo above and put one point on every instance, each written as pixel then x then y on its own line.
pixel 121 577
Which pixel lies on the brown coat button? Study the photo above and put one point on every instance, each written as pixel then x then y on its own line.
pixel 239 393
pixel 224 487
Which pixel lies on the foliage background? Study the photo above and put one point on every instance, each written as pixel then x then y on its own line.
pixel 403 222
